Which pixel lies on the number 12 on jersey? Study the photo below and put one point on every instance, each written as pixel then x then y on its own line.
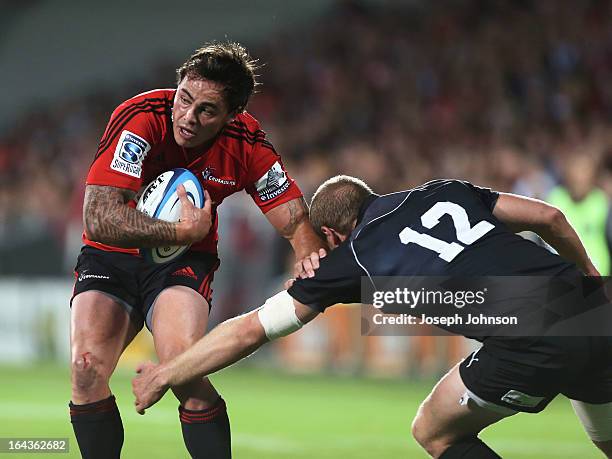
pixel 465 233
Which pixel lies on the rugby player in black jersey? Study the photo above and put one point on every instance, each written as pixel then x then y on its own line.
pixel 443 228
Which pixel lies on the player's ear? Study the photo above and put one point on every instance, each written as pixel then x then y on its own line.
pixel 333 238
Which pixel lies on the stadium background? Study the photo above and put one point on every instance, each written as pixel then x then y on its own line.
pixel 514 95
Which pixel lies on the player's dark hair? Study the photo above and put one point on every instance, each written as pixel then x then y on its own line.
pixel 336 203
pixel 227 63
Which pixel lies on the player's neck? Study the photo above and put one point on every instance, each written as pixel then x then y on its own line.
pixel 192 153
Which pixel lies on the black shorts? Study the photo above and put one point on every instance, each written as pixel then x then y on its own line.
pixel 136 283
pixel 525 374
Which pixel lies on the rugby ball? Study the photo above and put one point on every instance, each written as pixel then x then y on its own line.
pixel 160 200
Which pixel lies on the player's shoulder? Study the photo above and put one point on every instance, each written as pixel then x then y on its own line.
pixel 247 120
pixel 244 133
pixel 156 101
pixel 153 108
pixel 152 95
pixel 244 128
pixel 443 183
pixel 448 186
pixel 377 207
pixel 144 118
pixel 459 192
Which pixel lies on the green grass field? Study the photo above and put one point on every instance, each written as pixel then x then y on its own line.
pixel 276 415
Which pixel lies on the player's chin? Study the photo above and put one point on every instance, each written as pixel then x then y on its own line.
pixel 181 141
pixel 191 142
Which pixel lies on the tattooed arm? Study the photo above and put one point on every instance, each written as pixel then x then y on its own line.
pixel 108 219
pixel 291 221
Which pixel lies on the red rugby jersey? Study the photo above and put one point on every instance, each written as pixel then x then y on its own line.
pixel 138 145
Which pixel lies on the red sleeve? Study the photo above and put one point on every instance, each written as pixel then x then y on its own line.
pixel 268 183
pixel 131 132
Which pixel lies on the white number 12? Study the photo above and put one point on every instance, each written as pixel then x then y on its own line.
pixel 465 233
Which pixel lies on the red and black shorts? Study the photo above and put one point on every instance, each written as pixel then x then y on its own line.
pixel 135 283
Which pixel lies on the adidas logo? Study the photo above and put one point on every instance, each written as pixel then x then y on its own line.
pixel 188 272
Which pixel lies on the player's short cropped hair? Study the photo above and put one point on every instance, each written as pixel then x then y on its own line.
pixel 336 203
pixel 227 63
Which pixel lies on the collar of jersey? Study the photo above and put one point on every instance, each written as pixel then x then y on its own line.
pixel 362 210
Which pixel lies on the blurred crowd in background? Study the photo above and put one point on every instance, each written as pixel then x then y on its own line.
pixel 514 95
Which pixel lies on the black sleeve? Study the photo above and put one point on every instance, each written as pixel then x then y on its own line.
pixel 487 196
pixel 338 280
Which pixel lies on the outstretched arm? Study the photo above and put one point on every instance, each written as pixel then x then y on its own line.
pixel 227 343
pixel 525 214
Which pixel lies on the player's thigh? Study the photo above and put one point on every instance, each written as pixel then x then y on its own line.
pixel 178 293
pixel 105 294
pixel 100 322
pixel 448 413
pixel 100 330
pixel 179 320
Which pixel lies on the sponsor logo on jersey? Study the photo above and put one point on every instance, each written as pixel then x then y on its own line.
pixel 130 153
pixel 83 276
pixel 273 183
pixel 207 175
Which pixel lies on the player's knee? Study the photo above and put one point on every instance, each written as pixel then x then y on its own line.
pixel 419 431
pixel 87 374
pixel 426 437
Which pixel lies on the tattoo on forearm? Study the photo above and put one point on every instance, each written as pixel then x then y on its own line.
pixel 298 212
pixel 291 221
pixel 108 219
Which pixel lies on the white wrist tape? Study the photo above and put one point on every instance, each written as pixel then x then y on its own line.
pixel 277 316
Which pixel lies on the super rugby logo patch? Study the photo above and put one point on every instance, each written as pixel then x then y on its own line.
pixel 129 154
pixel 273 183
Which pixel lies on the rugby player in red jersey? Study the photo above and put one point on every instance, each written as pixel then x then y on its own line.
pixel 202 126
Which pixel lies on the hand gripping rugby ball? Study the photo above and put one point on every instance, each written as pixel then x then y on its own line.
pixel 160 200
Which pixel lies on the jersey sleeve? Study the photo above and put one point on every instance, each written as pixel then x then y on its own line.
pixel 268 182
pixel 338 280
pixel 486 195
pixel 131 132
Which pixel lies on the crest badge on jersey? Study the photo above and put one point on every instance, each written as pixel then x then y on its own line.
pixel 273 183
pixel 129 154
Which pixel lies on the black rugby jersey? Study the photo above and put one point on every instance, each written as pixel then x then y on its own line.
pixel 442 228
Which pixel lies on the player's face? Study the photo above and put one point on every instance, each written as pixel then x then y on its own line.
pixel 199 113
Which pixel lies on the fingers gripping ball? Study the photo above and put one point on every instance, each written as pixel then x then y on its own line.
pixel 160 200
